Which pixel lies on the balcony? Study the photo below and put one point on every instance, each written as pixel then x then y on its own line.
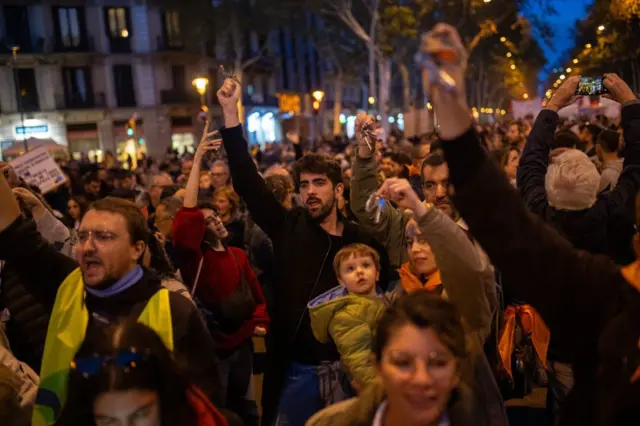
pixel 178 96
pixel 120 44
pixel 165 44
pixel 82 45
pixel 78 101
pixel 26 46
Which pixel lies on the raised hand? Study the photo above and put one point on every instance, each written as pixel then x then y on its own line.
pixel 450 105
pixel 293 137
pixel 368 132
pixel 206 143
pixel 565 95
pixel 31 200
pixel 229 94
pixel 401 193
pixel 619 91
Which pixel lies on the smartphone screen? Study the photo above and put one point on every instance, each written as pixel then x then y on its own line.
pixel 591 86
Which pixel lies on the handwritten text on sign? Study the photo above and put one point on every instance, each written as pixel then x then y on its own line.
pixel 38 168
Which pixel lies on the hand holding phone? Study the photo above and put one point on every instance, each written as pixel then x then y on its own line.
pixel 591 86
pixel 617 89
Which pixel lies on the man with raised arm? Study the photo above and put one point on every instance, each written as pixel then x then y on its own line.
pixel 300 377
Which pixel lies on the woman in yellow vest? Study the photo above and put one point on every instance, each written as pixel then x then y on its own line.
pixel 129 377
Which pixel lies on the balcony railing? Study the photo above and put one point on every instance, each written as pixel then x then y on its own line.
pixel 120 44
pixel 66 44
pixel 165 44
pixel 178 96
pixel 78 101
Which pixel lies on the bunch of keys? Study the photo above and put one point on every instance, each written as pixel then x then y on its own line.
pixel 229 74
pixel 368 136
pixel 432 59
pixel 375 204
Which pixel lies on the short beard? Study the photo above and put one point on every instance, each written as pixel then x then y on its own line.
pixel 325 212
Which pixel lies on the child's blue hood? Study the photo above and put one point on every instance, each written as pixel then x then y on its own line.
pixel 335 293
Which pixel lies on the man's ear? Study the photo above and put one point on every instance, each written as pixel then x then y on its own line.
pixel 137 250
pixel 339 189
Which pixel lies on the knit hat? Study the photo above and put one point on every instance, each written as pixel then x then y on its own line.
pixel 572 181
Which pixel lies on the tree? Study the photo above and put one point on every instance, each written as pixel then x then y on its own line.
pixel 220 28
pixel 390 29
pixel 606 41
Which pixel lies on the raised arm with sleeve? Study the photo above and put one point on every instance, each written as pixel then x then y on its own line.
pixel 39 265
pixel 265 209
pixel 468 281
pixel 390 229
pixel 624 194
pixel 534 162
pixel 571 289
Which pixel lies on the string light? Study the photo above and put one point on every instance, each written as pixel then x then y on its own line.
pixel 513 67
pixel 503 39
pixel 526 96
pixel 509 54
pixel 575 61
pixel 562 77
pixel 568 70
pixel 601 28
pixel 588 45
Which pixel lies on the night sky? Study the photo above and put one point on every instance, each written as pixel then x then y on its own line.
pixel 563 24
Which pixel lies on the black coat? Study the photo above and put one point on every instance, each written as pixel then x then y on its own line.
pixel 23 248
pixel 606 227
pixel 590 309
pixel 304 255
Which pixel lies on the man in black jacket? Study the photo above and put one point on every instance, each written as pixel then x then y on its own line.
pixel 589 304
pixel 112 238
pixel 305 240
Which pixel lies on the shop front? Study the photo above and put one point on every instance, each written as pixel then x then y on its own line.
pixel 84 141
pixel 130 143
pixel 182 135
pixel 45 127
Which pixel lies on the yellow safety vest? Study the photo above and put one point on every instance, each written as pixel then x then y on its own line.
pixel 67 329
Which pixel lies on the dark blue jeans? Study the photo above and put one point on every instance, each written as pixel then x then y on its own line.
pixel 307 390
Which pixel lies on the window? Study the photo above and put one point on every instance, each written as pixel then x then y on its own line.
pixel 69 25
pixel 78 91
pixel 26 91
pixel 118 25
pixel 17 28
pixel 172 29
pixel 178 78
pixel 117 19
pixel 123 83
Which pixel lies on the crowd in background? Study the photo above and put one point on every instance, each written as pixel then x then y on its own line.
pixel 419 281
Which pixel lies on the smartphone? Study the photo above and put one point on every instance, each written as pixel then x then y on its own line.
pixel 591 86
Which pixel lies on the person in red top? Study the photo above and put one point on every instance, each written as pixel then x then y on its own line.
pixel 218 274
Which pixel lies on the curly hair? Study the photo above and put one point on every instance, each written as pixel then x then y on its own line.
pixel 318 164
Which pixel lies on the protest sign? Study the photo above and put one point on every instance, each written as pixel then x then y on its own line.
pixel 37 168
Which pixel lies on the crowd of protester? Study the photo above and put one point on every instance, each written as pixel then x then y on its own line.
pixel 421 281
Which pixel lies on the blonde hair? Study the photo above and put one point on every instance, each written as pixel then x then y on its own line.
pixel 572 181
pixel 356 249
pixel 229 194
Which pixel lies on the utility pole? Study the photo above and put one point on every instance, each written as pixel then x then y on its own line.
pixel 16 80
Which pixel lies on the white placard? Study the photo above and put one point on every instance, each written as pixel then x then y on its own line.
pixel 37 168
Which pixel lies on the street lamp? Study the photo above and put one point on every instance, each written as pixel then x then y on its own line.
pixel 16 81
pixel 201 84
pixel 372 100
pixel 318 95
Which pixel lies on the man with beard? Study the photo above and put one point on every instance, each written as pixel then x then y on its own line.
pixel 105 285
pixel 305 241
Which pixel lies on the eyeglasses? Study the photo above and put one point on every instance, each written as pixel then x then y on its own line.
pixel 98 236
pixel 125 359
